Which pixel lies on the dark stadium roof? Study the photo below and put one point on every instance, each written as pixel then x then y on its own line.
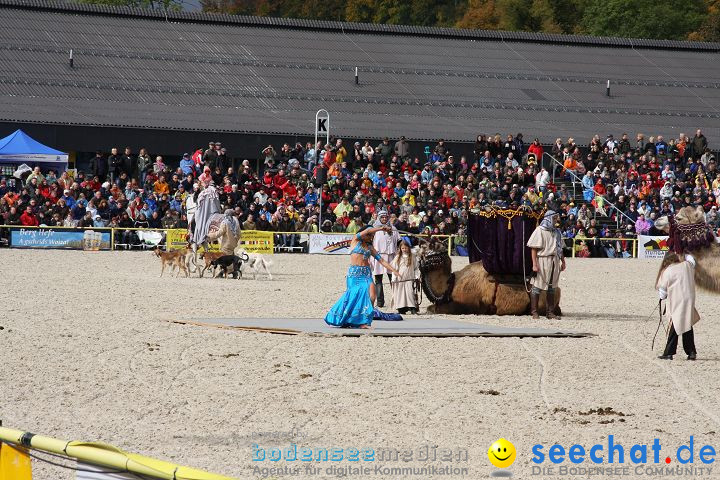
pixel 196 71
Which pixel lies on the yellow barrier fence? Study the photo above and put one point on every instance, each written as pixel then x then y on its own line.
pixel 577 243
pixel 255 241
pixel 103 455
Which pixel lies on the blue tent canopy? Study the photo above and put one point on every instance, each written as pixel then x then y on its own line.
pixel 19 147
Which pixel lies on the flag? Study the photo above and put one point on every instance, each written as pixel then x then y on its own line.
pixel 14 463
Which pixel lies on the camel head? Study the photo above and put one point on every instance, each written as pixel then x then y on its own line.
pixel 430 247
pixel 434 259
pixel 684 216
pixel 435 271
pixel 690 234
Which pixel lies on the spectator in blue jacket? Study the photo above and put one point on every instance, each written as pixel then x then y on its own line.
pixel 588 183
pixel 187 165
pixel 69 199
pixel 311 197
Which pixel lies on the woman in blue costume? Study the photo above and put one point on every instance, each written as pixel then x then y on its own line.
pixel 355 308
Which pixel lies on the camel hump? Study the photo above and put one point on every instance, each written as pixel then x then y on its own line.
pixel 707 268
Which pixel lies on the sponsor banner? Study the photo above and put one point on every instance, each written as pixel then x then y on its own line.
pixel 652 246
pixel 33 158
pixel 255 241
pixel 71 239
pixel 330 244
pixel 176 239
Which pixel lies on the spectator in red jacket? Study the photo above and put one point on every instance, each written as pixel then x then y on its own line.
pixel 28 218
pixel 290 191
pixel 279 180
pixel 536 149
pixel 329 158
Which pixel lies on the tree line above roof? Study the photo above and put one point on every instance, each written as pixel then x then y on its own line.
pixel 695 20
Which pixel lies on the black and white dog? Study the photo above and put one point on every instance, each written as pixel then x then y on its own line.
pixel 229 264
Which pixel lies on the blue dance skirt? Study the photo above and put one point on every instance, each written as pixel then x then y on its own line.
pixel 354 308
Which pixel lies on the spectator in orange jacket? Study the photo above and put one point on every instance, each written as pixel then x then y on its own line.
pixel 161 186
pixel 570 165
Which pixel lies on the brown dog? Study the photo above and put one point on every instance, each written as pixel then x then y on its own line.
pixel 174 258
pixel 208 258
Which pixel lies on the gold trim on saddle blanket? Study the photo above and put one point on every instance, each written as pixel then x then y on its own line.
pixel 509 214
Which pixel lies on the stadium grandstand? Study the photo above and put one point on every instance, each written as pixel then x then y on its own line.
pixel 168 80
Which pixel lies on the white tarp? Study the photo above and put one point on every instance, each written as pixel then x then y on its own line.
pixel 93 472
pixel 330 244
pixel 149 237
pixel 21 170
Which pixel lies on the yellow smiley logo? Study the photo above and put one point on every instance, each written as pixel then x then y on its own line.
pixel 502 453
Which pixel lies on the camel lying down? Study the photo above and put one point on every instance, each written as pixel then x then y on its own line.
pixel 477 292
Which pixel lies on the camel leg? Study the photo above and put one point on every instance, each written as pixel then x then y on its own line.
pixel 512 300
pixel 451 308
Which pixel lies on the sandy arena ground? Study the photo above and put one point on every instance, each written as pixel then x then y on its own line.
pixel 88 354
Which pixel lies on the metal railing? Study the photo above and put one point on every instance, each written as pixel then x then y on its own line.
pixel 578 180
pixel 116 231
pixel 452 240
pixel 575 243
pixel 111 230
pixel 404 234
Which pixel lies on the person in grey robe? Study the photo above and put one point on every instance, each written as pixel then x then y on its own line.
pixel 208 203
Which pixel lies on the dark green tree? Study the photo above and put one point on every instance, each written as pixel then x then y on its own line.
pixel 659 19
pixel 709 31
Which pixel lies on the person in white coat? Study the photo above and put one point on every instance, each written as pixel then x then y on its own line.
pixel 385 243
pixel 404 298
pixel 676 285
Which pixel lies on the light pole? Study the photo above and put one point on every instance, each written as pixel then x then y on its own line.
pixel 322 127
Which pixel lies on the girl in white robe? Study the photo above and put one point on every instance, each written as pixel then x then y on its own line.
pixel 403 296
pixel 676 285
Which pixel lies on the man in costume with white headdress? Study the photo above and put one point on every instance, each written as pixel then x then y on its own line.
pixel 548 261
pixel 386 245
pixel 228 233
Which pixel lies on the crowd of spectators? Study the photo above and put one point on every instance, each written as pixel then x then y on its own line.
pixel 625 186
pixel 632 183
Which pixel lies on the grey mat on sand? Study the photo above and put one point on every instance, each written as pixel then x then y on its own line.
pixel 410 327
